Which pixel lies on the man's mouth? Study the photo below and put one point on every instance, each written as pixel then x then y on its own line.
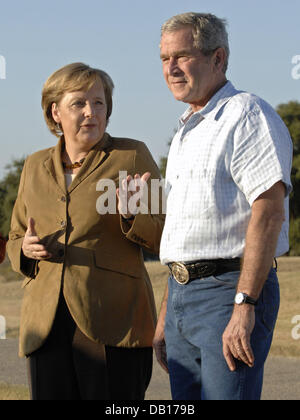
pixel 179 82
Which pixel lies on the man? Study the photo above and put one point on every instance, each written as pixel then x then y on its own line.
pixel 228 181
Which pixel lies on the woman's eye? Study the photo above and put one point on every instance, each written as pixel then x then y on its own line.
pixel 78 104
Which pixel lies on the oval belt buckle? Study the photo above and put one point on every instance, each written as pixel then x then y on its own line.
pixel 180 273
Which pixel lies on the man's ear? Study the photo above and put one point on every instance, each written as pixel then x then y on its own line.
pixel 55 113
pixel 220 57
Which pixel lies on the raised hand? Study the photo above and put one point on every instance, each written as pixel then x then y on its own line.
pixel 128 188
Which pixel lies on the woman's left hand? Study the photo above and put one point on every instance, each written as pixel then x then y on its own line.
pixel 128 188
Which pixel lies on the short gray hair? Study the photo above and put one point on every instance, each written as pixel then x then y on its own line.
pixel 208 30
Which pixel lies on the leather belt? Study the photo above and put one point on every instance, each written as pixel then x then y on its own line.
pixel 185 273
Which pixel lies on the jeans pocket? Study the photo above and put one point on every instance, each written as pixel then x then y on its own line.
pixel 230 278
pixel 270 301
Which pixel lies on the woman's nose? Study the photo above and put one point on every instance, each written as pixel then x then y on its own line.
pixel 89 110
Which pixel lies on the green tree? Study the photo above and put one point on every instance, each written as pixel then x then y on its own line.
pixel 295 237
pixel 8 193
pixel 164 159
pixel 290 113
pixel 163 166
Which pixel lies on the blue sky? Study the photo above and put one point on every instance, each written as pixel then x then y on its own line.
pixel 122 37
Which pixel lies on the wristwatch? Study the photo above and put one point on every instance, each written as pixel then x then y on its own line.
pixel 242 298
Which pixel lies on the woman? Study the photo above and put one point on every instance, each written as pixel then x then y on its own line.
pixel 88 313
pixel 2 248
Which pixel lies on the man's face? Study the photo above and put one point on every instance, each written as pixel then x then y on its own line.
pixel 189 74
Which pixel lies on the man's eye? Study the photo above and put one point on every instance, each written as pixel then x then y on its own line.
pixel 182 58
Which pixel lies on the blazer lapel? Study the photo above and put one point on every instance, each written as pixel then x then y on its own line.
pixel 54 166
pixel 97 155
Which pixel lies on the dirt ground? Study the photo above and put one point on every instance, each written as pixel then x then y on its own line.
pixel 282 376
pixel 282 373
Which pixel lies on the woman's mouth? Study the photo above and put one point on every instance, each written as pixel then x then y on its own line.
pixel 88 126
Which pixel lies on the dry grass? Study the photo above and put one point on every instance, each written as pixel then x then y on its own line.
pixel 283 344
pixel 289 277
pixel 10 299
pixel 13 392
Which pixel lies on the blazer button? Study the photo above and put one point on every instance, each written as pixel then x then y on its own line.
pixel 63 224
pixel 63 199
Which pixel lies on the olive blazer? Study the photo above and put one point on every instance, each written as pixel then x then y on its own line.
pixel 97 261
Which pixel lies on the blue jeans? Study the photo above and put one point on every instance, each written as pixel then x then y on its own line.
pixel 197 316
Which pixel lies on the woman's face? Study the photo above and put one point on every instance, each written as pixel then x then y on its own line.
pixel 82 116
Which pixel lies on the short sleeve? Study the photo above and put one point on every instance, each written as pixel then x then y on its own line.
pixel 262 153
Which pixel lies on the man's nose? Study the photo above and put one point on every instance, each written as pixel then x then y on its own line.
pixel 173 66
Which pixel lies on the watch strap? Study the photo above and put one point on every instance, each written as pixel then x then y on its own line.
pixel 250 300
pixel 241 298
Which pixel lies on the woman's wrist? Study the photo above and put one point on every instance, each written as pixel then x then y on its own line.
pixel 127 219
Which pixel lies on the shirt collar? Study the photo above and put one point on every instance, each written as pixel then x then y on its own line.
pixel 219 99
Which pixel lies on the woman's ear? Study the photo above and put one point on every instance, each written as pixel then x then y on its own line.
pixel 55 113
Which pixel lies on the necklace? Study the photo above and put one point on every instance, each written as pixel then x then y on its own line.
pixel 74 165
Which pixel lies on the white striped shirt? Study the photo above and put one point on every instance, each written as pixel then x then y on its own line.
pixel 220 161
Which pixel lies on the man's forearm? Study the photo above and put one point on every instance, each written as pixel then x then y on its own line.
pixel 261 241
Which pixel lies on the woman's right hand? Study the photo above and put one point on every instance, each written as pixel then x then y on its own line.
pixel 31 246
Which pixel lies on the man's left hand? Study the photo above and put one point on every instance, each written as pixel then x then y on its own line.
pixel 236 338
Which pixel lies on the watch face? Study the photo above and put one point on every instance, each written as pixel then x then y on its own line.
pixel 239 298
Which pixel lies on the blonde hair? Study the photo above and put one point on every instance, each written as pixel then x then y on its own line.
pixel 70 78
pixel 209 31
